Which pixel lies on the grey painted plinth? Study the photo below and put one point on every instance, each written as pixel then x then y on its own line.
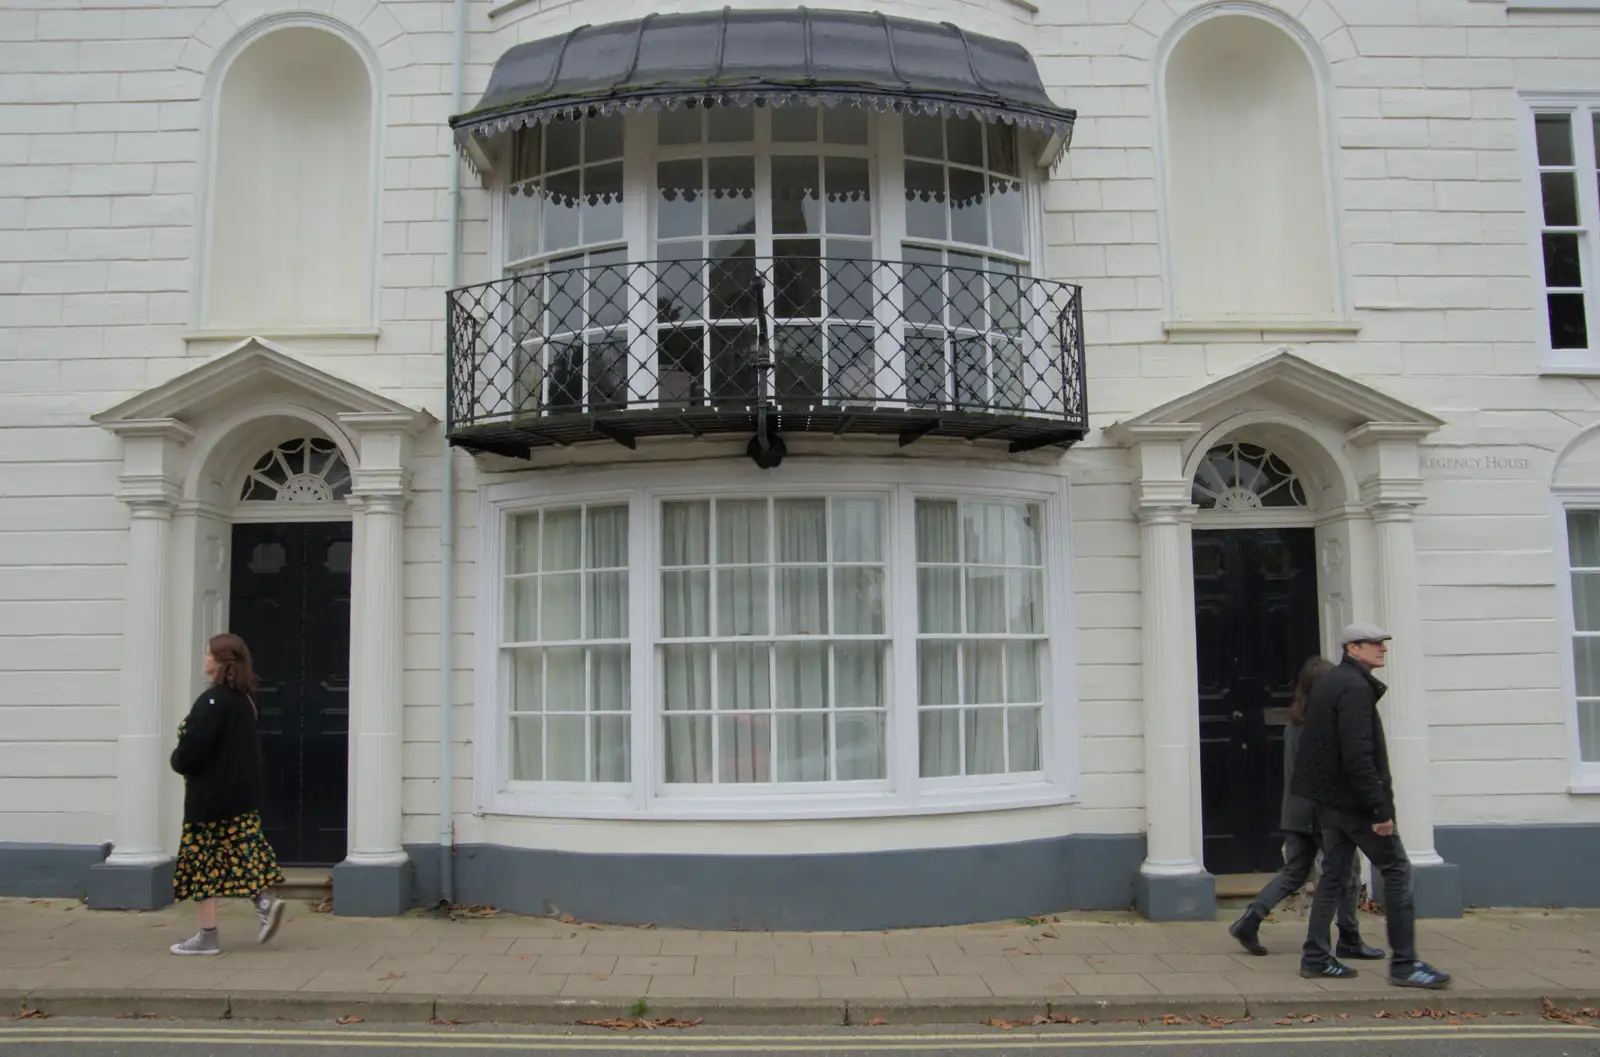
pixel 1528 865
pixel 48 871
pixel 1436 890
pixel 1191 897
pixel 116 887
pixel 363 890
pixel 909 888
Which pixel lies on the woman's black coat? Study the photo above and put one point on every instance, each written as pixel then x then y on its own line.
pixel 219 756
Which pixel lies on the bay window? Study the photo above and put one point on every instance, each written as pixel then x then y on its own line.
pixel 686 642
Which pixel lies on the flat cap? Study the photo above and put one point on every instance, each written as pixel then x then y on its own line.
pixel 1361 631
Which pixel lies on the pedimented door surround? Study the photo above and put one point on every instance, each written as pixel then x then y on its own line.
pixel 189 447
pixel 1356 451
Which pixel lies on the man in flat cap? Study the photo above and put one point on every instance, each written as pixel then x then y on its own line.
pixel 1343 768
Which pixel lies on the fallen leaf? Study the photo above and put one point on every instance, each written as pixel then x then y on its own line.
pixel 876 1022
pixel 31 1014
pixel 620 1024
pixel 1173 1018
pixel 1050 934
pixel 1004 1025
pixel 1310 1018
pixel 567 919
pixel 323 906
pixel 1344 1016
pixel 136 1016
pixel 350 1020
pixel 1218 1022
pixel 1065 1018
pixel 1284 1023
pixel 441 1021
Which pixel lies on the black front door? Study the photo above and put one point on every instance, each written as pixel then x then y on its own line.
pixel 1255 595
pixel 290 602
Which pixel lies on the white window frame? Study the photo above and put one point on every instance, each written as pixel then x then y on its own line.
pixel 1584 776
pixel 1584 107
pixel 904 792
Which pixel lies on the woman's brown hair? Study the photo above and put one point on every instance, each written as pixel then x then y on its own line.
pixel 232 659
pixel 1310 672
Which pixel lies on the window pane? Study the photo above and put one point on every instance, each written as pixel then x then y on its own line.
pixel 1569 327
pixel 608 537
pixel 1560 190
pixel 744 677
pixel 1025 602
pixel 559 217
pixel 563 541
pixel 802 675
pixel 796 195
pixel 602 138
pixel 938 533
pixel 1006 215
pixel 686 604
pixel 984 526
pixel 686 678
pixel 857 530
pixel 602 203
pixel 1002 148
pixel 803 748
pixel 744 752
pixel 794 124
pixel 861 754
pixel 924 135
pixel 742 601
pixel 858 674
pixel 1022 730
pixel 678 126
pixel 526 152
pixel 849 196
pixel 1561 263
pixel 925 200
pixel 688 748
pixel 1022 672
pixel 986 740
pixel 858 601
pixel 741 531
pixel 844 124
pixel 560 608
pixel 731 124
pixel 964 137
pixel 608 606
pixel 937 682
pixel 686 533
pixel 802 530
pixel 802 601
pixel 527 680
pixel 986 601
pixel 611 674
pixel 522 544
pixel 679 209
pixel 1589 731
pixel 564 672
pixel 522 610
pixel 1586 601
pixel 565 748
pixel 612 749
pixel 1583 539
pixel 940 743
pixel 732 205
pixel 1554 135
pixel 1586 659
pixel 527 749
pixel 938 601
pixel 969 207
pixel 983 677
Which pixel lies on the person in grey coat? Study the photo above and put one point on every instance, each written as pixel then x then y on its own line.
pixel 1302 843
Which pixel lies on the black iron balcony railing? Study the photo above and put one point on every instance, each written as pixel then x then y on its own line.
pixel 764 346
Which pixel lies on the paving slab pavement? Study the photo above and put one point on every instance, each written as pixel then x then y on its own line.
pixel 62 958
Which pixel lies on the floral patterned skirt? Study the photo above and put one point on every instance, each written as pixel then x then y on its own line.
pixel 230 858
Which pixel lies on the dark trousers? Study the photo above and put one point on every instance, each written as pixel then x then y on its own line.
pixel 1342 835
pixel 1299 855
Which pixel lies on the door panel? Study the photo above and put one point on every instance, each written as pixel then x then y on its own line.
pixel 1255 625
pixel 291 604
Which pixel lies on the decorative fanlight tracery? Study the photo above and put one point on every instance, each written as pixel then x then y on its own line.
pixel 1239 477
pixel 303 470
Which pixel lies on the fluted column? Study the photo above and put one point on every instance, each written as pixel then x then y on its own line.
pixel 375 715
pixel 141 742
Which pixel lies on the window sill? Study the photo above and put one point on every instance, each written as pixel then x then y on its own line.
pixel 1588 785
pixel 819 807
pixel 1199 330
pixel 1570 363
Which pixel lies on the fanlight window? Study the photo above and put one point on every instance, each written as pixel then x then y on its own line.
pixel 1246 477
pixel 305 470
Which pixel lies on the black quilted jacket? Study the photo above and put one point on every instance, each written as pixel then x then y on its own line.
pixel 1343 759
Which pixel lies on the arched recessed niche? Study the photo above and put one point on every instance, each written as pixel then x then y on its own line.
pixel 292 198
pixel 302 470
pixel 1247 175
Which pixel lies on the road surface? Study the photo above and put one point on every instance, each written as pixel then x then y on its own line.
pixel 1499 1038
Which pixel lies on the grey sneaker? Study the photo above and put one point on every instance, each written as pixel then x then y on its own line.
pixel 270 911
pixel 199 943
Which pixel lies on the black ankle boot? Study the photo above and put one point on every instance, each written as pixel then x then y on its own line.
pixel 1351 945
pixel 1246 928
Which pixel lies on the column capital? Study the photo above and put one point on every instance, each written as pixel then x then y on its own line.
pixel 1162 501
pixel 1387 493
pixel 380 502
pixel 148 495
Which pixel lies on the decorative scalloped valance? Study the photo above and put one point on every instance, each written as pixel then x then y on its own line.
pixel 788 57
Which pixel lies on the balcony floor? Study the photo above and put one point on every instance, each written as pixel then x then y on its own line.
pixel 517 439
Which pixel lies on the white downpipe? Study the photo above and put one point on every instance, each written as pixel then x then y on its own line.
pixel 447 516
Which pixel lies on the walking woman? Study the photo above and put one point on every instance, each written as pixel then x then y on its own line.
pixel 1302 842
pixel 224 853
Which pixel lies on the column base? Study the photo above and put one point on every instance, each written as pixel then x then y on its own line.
pixel 364 890
pixel 1435 890
pixel 117 887
pixel 1186 897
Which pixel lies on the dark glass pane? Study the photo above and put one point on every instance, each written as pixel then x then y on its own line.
pixel 924 289
pixel 925 369
pixel 969 212
pixel 794 124
pixel 678 126
pixel 608 371
pixel 565 289
pixel 925 210
pixel 562 194
pixel 972 372
pixel 968 287
pixel 525 153
pixel 797 278
pixel 844 124
pixel 561 144
pixel 799 367
pixel 733 280
pixel 1554 135
pixel 731 124
pixel 680 366
pixel 680 282
pixel 1005 215
pixel 678 209
pixel 608 301
pixel 849 196
pixel 1002 148
pixel 602 203
pixel 566 373
pixel 852 367
pixel 924 136
pixel 1561 267
pixel 602 138
pixel 732 203
pixel 1568 326
pixel 1560 191
pixel 733 371
pixel 850 289
pixel 796 195
pixel 965 139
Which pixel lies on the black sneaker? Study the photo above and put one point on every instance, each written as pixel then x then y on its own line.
pixel 1331 971
pixel 1359 950
pixel 1246 930
pixel 1421 974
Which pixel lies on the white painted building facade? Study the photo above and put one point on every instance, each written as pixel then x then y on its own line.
pixel 1335 260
